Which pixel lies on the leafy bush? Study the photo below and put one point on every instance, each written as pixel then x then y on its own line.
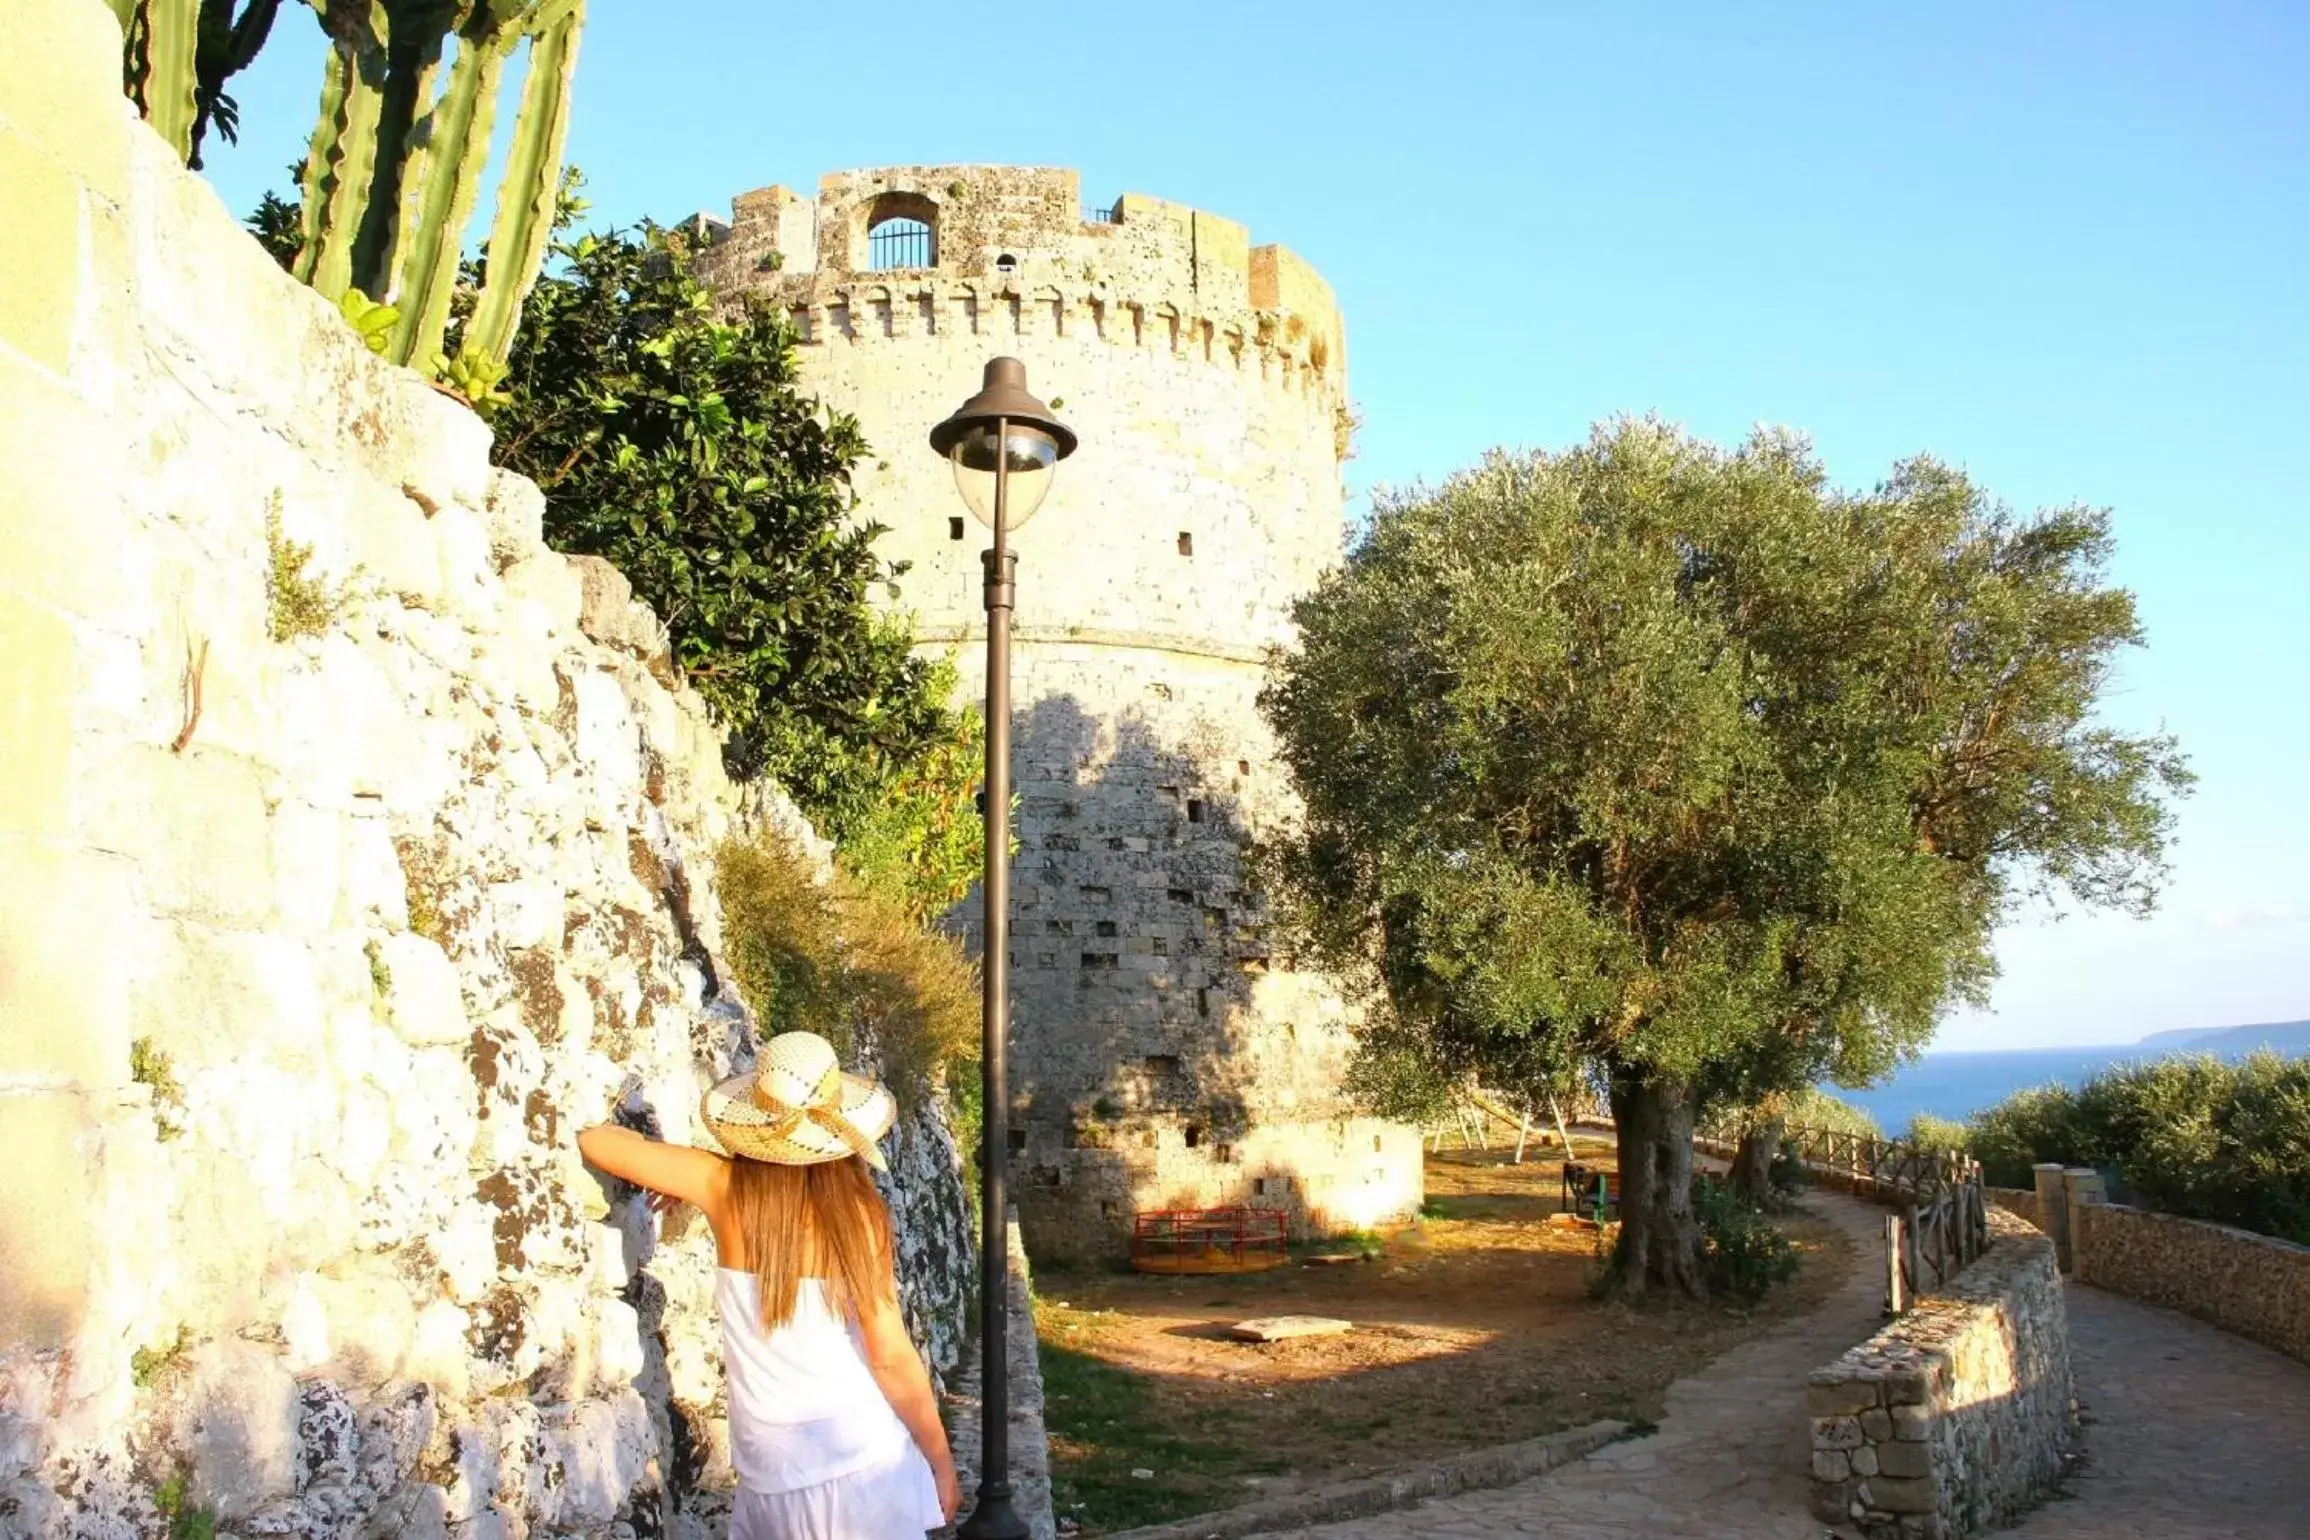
pixel 1815 1108
pixel 1931 1133
pixel 849 962
pixel 2191 1135
pixel 672 438
pixel 1747 1253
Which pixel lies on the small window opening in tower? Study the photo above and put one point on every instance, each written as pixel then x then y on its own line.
pixel 1375 1144
pixel 1018 1139
pixel 1194 1137
pixel 1195 810
pixel 899 240
pixel 1259 1186
pixel 954 529
pixel 1162 1064
pixel 1243 767
pixel 1186 543
pixel 1225 1154
pixel 1006 264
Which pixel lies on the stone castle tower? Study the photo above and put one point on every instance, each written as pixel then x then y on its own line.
pixel 1164 1054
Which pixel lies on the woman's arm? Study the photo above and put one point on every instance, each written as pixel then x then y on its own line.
pixel 693 1176
pixel 897 1368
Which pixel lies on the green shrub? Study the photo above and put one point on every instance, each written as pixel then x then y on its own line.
pixel 851 963
pixel 1747 1253
pixel 298 603
pixel 1815 1108
pixel 672 436
pixel 2190 1135
pixel 1931 1133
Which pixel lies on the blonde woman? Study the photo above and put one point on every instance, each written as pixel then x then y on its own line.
pixel 834 1431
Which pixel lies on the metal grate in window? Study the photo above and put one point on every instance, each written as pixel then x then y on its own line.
pixel 900 242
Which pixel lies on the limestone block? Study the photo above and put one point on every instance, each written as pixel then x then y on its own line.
pixel 618 1355
pixel 238 1426
pixel 609 1450
pixel 386 538
pixel 438 1355
pixel 423 1002
pixel 70 927
pixel 465 1250
pixel 1828 1465
pixel 1905 1459
pixel 469 587
pixel 64 524
pixel 1896 1495
pixel 41 301
pixel 194 823
pixel 1863 1460
pixel 47 1212
pixel 376 890
pixel 308 865
pixel 516 511
pixel 369 1321
pixel 36 693
pixel 60 82
pixel 608 612
pixel 548 584
pixel 1837 1433
pixel 444 461
pixel 527 912
pixel 1912 1423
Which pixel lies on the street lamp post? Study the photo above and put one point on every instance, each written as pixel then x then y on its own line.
pixel 1002 444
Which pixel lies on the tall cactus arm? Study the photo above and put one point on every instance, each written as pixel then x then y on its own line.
pixel 342 161
pixel 417 32
pixel 442 178
pixel 226 46
pixel 526 198
pixel 157 65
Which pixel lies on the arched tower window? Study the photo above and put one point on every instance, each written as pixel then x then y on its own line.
pixel 901 231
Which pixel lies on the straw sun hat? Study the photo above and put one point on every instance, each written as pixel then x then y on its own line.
pixel 797 1108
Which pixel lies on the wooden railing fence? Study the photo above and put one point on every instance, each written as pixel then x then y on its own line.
pixel 1939 1219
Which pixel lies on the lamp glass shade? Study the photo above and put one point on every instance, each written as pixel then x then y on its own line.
pixel 1030 452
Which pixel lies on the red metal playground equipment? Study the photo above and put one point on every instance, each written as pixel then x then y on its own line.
pixel 1208 1240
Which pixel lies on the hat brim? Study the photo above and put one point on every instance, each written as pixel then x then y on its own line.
pixel 742 1126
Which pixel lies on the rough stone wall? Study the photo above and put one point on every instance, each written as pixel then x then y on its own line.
pixel 1958 1415
pixel 315 954
pixel 2020 1202
pixel 1165 1054
pixel 2254 1285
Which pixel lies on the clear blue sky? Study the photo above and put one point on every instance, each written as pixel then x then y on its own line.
pixel 2065 245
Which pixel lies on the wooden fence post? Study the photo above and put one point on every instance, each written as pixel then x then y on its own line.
pixel 1895 1300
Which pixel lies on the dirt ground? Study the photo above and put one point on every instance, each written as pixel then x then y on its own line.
pixel 1473 1326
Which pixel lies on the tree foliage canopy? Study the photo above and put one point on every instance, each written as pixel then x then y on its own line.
pixel 1678 763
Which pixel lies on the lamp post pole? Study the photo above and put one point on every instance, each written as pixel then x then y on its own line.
pixel 1003 444
pixel 992 1516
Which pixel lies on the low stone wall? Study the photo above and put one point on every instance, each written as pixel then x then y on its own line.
pixel 1030 1440
pixel 1957 1415
pixel 2020 1202
pixel 2254 1285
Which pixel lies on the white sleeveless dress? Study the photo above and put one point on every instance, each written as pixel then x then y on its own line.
pixel 818 1452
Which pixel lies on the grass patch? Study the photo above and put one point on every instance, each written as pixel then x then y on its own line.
pixel 298 603
pixel 1107 1422
pixel 148 1366
pixel 150 1065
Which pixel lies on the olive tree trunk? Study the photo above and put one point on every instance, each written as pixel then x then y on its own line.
pixel 1661 1247
pixel 1752 1167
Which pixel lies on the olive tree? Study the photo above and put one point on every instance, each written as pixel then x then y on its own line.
pixel 1678 767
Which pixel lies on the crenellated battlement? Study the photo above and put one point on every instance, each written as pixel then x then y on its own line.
pixel 1010 251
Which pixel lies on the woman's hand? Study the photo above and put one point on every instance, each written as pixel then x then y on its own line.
pixel 949 1490
pixel 664 1203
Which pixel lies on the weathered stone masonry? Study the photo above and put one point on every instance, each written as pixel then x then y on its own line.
pixel 1958 1415
pixel 1165 1053
pixel 314 953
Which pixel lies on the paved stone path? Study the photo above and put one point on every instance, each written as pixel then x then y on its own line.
pixel 2193 1434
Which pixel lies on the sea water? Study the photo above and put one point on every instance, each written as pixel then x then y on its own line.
pixel 1957 1085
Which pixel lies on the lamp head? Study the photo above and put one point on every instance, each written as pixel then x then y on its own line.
pixel 1029 439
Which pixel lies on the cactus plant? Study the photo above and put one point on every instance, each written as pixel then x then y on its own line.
pixel 176 57
pixel 394 169
pixel 395 165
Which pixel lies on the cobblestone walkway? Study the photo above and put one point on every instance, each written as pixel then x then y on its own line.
pixel 2193 1434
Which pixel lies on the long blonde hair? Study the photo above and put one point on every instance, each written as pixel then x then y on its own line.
pixel 825 1221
